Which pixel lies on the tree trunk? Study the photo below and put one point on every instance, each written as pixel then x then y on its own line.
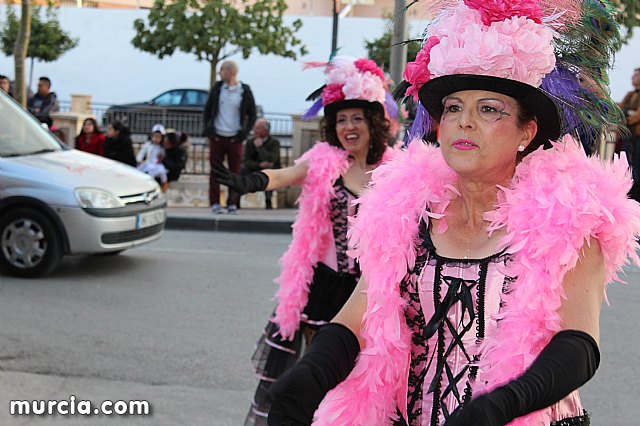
pixel 214 75
pixel 30 74
pixel 20 53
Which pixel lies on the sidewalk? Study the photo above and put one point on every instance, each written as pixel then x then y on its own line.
pixel 276 221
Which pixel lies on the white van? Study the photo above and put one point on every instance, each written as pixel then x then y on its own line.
pixel 55 200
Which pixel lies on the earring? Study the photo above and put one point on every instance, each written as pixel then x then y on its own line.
pixel 521 148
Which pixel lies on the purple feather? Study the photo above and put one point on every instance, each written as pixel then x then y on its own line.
pixel 391 106
pixel 565 90
pixel 422 124
pixel 313 110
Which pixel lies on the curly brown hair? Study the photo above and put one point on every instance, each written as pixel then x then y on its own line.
pixel 378 128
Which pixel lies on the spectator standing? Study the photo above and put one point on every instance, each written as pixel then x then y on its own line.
pixel 229 115
pixel 630 105
pixel 261 152
pixel 5 85
pixel 90 139
pixel 118 145
pixel 175 156
pixel 43 102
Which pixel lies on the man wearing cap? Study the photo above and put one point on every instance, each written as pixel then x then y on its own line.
pixel 228 117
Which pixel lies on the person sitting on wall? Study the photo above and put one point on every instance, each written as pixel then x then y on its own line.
pixel 175 155
pixel 261 152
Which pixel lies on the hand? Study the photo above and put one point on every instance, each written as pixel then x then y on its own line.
pixel 258 142
pixel 256 181
pixel 481 411
pixel 266 164
pixel 294 397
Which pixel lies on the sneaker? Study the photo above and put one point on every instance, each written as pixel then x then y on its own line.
pixel 232 209
pixel 216 209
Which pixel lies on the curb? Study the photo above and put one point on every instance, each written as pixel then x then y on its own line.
pixel 218 224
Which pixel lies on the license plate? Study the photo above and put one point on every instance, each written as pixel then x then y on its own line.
pixel 145 220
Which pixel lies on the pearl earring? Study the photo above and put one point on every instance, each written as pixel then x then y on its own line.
pixel 521 148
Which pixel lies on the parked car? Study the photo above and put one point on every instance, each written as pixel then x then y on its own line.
pixel 179 109
pixel 55 200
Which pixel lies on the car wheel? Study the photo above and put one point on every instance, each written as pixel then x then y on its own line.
pixel 30 244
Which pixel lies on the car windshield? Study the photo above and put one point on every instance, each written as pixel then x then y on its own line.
pixel 21 133
pixel 169 98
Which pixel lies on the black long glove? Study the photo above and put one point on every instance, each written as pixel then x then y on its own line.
pixel 253 182
pixel 328 361
pixel 566 363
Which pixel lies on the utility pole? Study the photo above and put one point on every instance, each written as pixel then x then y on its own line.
pixel 334 37
pixel 398 57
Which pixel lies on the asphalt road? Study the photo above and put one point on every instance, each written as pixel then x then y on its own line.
pixel 174 323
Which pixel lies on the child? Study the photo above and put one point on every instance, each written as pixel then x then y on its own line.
pixel 175 158
pixel 151 154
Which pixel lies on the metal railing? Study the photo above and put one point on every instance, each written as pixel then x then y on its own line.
pixel 141 120
pixel 198 155
pixel 97 109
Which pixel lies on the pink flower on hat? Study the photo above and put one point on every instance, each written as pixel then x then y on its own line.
pixel 533 53
pixel 499 10
pixel 367 87
pixel 365 65
pixel 332 93
pixel 517 48
pixel 417 72
pixel 353 79
pixel 341 71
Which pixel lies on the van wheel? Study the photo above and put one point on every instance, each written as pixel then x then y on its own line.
pixel 30 244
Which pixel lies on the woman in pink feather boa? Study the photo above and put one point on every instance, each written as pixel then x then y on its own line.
pixel 484 261
pixel 317 274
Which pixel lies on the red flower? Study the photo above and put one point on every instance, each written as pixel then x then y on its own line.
pixel 417 72
pixel 500 10
pixel 332 93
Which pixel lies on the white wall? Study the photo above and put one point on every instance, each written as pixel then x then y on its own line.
pixel 106 66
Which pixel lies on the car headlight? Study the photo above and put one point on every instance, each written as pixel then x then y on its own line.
pixel 91 198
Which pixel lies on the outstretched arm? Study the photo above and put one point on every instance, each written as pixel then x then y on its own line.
pixel 266 180
pixel 290 176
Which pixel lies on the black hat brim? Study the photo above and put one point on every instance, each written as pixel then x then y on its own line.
pixel 534 100
pixel 333 108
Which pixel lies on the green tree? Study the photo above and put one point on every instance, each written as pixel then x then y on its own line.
pixel 19 50
pixel 47 41
pixel 217 29
pixel 629 14
pixel 379 49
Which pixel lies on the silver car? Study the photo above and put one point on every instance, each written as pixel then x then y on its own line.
pixel 55 200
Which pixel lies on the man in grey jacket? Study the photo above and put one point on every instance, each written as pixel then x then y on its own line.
pixel 229 115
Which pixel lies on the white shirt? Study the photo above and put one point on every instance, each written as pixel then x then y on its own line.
pixel 149 153
pixel 228 121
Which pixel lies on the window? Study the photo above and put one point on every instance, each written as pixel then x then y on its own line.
pixel 169 98
pixel 194 98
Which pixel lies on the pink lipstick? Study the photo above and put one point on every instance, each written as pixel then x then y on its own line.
pixel 464 145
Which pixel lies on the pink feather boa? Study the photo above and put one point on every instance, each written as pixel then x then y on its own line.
pixel 559 199
pixel 312 233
